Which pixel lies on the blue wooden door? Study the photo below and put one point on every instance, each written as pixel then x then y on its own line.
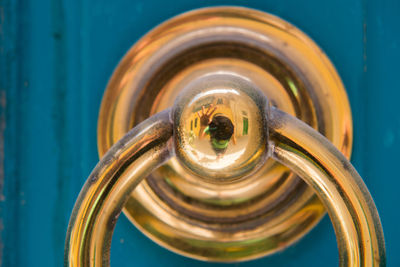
pixel 55 59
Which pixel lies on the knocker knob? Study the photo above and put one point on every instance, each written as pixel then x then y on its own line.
pixel 221 127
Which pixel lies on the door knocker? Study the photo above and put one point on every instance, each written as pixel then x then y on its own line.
pixel 224 135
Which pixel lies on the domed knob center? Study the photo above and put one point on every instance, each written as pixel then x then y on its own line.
pixel 221 127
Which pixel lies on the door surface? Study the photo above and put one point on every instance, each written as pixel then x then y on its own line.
pixel 55 59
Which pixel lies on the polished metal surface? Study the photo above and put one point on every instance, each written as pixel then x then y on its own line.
pixel 350 206
pixel 176 207
pixel 224 139
pixel 227 142
pixel 105 192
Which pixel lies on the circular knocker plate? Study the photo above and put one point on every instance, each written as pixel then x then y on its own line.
pixel 255 216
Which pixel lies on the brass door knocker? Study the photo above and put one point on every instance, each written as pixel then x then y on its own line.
pixel 224 135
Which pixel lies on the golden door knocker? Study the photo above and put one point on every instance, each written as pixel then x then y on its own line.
pixel 241 137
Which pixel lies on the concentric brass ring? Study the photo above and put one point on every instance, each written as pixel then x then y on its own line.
pixel 273 208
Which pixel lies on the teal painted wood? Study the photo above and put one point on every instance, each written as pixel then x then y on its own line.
pixel 56 57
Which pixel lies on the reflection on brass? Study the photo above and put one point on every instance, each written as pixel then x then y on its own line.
pixel 235 217
pixel 271 132
pixel 221 131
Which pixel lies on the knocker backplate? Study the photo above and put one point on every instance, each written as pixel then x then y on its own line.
pixel 247 218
